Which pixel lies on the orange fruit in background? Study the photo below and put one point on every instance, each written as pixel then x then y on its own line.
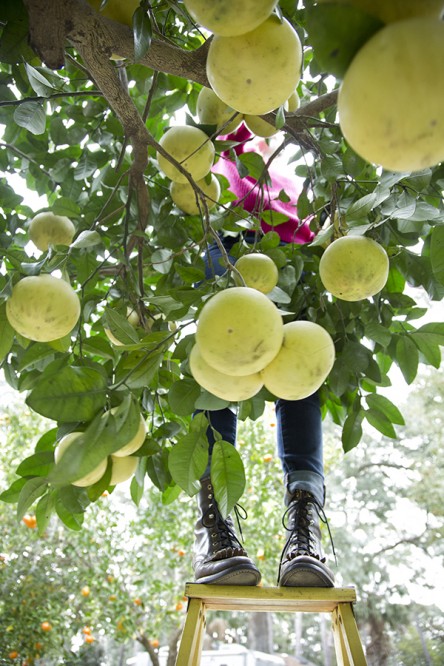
pixel 30 521
pixel 154 643
pixel 89 639
pixel 267 458
pixel 85 591
pixel 46 626
pixel 138 601
pixel 179 606
pixel 13 655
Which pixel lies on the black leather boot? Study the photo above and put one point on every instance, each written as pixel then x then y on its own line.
pixel 302 561
pixel 219 558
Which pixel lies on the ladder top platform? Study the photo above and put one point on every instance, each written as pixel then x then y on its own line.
pixel 270 599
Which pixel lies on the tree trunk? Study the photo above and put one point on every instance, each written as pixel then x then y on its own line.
pixel 426 653
pixel 260 632
pixel 378 649
pixel 173 646
pixel 326 637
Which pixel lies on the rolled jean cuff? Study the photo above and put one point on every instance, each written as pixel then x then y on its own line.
pixel 304 479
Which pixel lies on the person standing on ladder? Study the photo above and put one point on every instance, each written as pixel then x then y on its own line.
pixel 219 558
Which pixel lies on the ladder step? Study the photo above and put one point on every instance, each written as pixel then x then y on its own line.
pixel 270 599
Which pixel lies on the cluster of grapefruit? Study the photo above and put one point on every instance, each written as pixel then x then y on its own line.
pixel 381 117
pixel 242 343
pixel 123 463
pixel 253 65
pixel 43 307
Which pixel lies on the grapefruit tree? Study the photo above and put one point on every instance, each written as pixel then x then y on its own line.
pixel 100 141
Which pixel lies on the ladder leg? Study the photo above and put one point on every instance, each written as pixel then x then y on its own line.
pixel 340 649
pixel 193 634
pixel 344 624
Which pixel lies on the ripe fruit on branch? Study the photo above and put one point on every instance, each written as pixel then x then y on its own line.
pixel 43 308
pixel 239 331
pixel 256 72
pixel 122 469
pixel 191 148
pixel 135 443
pixel 186 199
pixel 376 112
pixel 212 111
pixel 258 271
pixel 47 229
pixel 395 10
pixel 90 478
pixel 303 362
pixel 46 626
pixel 229 18
pixel 226 387
pixel 354 267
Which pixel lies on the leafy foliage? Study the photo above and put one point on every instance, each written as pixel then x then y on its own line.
pixel 82 131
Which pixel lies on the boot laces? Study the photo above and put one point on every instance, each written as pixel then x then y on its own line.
pixel 298 519
pixel 223 537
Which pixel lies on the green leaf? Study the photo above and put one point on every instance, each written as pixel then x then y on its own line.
pixel 407 357
pixel 12 494
pixel 31 491
pixel 157 470
pixel 65 206
pixel 143 32
pixel 71 394
pixel 352 430
pixel 437 253
pixel 106 434
pixel 280 118
pixel 361 208
pixel 6 332
pixel 73 521
pixel 182 396
pixel 227 476
pixel 386 407
pixel 336 33
pixel 162 260
pixel 43 511
pixel 120 327
pixel 31 116
pixel 188 460
pixel 39 464
pixel 254 165
pixel 379 421
pixel 39 83
pixel 73 499
pixel 86 239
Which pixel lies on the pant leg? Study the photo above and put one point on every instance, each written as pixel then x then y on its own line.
pixel 300 445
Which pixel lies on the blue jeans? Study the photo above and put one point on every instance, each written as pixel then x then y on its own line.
pixel 299 422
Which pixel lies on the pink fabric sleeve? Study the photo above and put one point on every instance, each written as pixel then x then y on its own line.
pixel 255 198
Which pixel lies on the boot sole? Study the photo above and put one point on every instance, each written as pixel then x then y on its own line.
pixel 307 574
pixel 240 576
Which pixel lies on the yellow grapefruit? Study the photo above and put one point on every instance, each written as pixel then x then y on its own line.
pixel 239 331
pixel 258 271
pixel 229 18
pixel 226 387
pixel 122 469
pixel 212 111
pixel 191 148
pixel 303 362
pixel 256 72
pixel 186 199
pixel 43 308
pixel 47 229
pixel 378 116
pixel 90 478
pixel 354 267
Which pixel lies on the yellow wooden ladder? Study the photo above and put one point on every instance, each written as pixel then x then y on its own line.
pixel 335 600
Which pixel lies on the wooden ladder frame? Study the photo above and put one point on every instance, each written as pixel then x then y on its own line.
pixel 338 601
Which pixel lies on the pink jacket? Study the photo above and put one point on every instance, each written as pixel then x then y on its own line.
pixel 254 198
